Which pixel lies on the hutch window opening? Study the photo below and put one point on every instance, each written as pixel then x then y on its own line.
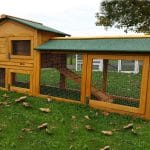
pixel 21 47
pixel 20 80
pixel 2 77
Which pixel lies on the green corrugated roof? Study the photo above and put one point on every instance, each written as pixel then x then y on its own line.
pixel 101 44
pixel 35 25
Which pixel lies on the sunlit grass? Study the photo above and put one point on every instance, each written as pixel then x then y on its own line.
pixel 64 132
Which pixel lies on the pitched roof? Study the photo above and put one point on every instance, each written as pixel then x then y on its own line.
pixel 128 44
pixel 32 24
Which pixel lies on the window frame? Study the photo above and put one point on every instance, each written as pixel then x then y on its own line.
pixel 11 55
pixel 117 107
pixel 20 89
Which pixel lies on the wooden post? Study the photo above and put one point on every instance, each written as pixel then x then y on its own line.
pixel 84 67
pixel 105 70
pixel 147 105
pixel 35 90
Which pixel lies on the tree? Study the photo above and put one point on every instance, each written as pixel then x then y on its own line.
pixel 133 15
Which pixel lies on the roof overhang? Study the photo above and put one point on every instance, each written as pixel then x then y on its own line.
pixel 103 44
pixel 32 24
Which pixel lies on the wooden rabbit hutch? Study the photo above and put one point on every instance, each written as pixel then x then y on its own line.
pixel 41 61
pixel 18 59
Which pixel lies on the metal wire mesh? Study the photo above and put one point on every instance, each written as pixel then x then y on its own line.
pixel 59 77
pixel 97 63
pixel 112 86
pixel 2 77
pixel 20 80
pixel 127 65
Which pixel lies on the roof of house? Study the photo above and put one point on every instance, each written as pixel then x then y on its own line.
pixel 32 24
pixel 107 44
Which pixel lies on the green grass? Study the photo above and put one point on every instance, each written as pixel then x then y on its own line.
pixel 66 133
pixel 122 84
pixel 57 92
pixel 51 77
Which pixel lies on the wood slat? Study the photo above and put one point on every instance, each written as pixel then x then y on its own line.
pixel 21 64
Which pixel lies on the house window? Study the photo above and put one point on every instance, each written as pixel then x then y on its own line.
pixel 21 47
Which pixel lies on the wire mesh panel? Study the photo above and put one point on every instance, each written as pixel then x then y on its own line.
pixel 2 77
pixel 130 66
pixel 127 65
pixel 20 80
pixel 59 77
pixel 115 87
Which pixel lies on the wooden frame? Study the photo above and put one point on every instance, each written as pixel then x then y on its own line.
pixel 19 89
pixel 147 104
pixel 20 38
pixel 83 81
pixel 144 106
pixel 117 107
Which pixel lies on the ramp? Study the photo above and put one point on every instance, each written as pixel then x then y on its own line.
pixel 76 78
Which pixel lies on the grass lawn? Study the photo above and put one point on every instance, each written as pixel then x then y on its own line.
pixel 66 127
